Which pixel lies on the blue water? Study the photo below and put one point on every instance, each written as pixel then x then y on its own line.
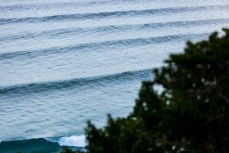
pixel 65 62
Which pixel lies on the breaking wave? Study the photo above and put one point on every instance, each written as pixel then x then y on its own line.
pixel 44 145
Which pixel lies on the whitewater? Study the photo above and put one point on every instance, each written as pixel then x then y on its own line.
pixel 65 62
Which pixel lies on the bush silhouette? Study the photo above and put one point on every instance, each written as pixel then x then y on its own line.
pixel 189 115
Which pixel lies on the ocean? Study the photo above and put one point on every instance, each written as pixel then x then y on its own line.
pixel 64 62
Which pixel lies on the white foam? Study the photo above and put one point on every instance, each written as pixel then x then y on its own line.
pixel 76 141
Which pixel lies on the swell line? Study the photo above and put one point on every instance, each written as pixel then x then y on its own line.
pixel 96 45
pixel 113 28
pixel 101 15
pixel 36 6
pixel 73 83
pixel 54 4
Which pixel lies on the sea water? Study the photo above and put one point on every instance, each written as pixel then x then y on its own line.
pixel 64 62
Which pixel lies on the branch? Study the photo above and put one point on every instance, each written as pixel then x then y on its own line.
pixel 223 98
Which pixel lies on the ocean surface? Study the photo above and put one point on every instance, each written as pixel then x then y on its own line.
pixel 64 62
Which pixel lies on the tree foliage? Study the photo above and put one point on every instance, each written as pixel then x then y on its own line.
pixel 189 115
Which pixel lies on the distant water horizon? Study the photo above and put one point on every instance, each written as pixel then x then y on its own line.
pixel 65 62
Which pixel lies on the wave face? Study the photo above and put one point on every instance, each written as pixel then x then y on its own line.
pixel 65 62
